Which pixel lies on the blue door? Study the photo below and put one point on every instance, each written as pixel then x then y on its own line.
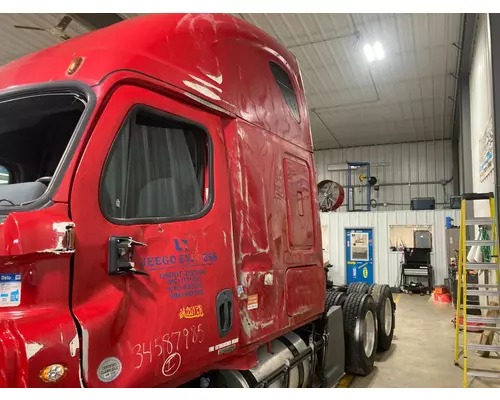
pixel 359 255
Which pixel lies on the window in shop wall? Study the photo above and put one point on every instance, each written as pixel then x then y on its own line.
pixel 410 236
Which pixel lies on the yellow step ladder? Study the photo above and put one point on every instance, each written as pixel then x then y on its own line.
pixel 489 290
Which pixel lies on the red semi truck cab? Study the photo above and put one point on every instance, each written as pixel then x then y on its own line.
pixel 158 217
pixel 158 214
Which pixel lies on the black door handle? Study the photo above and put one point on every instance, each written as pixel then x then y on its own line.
pixel 224 307
pixel 226 316
pixel 120 256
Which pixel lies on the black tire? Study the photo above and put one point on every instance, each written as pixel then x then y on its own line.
pixel 356 308
pixel 381 295
pixel 334 298
pixel 340 288
pixel 358 287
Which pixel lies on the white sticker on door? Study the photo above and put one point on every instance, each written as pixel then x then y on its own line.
pixel 109 369
pixel 10 290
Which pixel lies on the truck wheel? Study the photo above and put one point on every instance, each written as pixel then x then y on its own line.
pixel 358 287
pixel 386 315
pixel 334 298
pixel 360 331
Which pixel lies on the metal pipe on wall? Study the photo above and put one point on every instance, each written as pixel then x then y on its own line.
pixel 388 204
pixel 442 182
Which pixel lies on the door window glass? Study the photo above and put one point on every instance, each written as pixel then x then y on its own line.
pixel 156 168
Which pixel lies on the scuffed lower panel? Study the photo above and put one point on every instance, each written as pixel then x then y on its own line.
pixel 303 286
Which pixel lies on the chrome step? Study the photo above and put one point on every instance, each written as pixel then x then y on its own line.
pixel 483 347
pixel 483 285
pixel 483 292
pixel 484 374
pixel 480 221
pixel 490 266
pixel 480 242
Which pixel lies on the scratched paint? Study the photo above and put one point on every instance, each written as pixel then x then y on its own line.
pixel 60 229
pixel 208 84
pixel 201 89
pixel 217 79
pixel 33 348
pixel 74 345
pixel 85 355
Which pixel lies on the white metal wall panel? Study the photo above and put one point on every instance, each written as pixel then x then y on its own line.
pixel 408 162
pixel 481 98
pixel 386 263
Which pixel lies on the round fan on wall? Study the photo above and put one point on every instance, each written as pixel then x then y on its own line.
pixel 330 194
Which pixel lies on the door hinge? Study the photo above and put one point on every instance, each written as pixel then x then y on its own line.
pixel 69 238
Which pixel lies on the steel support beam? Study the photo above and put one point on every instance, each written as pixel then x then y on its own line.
pixel 462 119
pixel 465 135
pixel 455 152
pixel 494 24
pixel 461 136
pixel 467 47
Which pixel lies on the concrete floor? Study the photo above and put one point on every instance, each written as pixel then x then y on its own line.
pixel 422 352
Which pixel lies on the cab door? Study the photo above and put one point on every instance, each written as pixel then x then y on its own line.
pixel 153 276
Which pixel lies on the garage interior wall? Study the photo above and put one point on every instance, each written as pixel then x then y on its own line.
pixel 386 263
pixel 481 108
pixel 412 163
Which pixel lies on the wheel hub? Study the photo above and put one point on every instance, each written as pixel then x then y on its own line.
pixel 369 334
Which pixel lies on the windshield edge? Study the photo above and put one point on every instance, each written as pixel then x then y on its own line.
pixel 88 97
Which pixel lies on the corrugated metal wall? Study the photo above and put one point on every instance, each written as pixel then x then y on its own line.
pixel 481 107
pixel 408 163
pixel 386 263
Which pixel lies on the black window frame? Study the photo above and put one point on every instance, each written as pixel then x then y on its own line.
pixel 70 87
pixel 297 118
pixel 134 110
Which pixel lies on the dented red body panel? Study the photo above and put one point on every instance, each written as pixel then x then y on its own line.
pixel 263 226
pixel 33 244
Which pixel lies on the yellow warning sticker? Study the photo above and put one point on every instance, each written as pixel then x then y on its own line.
pixel 253 302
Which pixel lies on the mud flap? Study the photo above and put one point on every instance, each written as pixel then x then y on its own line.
pixel 334 360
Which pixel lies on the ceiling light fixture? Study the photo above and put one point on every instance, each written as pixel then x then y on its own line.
pixel 375 52
pixel 379 51
pixel 369 53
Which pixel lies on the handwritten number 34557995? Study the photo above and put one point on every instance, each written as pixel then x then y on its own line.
pixel 167 343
